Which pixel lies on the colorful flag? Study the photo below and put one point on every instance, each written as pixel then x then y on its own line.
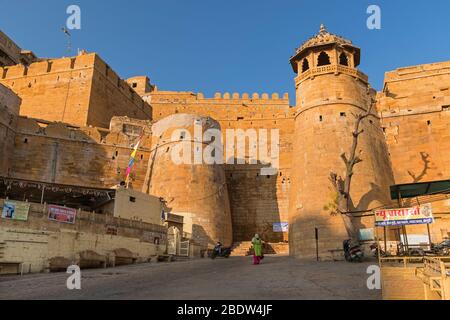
pixel 132 160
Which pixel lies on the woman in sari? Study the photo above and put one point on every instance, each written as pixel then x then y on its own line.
pixel 257 248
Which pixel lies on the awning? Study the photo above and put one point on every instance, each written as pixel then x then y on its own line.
pixel 79 197
pixel 414 190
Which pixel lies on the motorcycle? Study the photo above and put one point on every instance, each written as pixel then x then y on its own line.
pixel 224 253
pixel 441 249
pixel 352 251
pixel 377 251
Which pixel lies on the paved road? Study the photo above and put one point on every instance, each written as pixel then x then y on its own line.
pixel 279 277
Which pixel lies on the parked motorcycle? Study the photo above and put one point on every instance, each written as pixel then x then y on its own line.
pixel 222 253
pixel 377 251
pixel 441 249
pixel 352 251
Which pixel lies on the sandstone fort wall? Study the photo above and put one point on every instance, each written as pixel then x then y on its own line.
pixel 37 240
pixel 56 153
pixel 80 91
pixel 324 127
pixel 9 110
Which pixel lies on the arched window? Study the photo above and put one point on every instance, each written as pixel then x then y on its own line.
pixel 343 60
pixel 305 65
pixel 323 60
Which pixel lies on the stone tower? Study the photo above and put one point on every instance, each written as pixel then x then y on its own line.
pixel 197 190
pixel 330 90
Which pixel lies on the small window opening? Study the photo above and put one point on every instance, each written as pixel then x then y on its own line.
pixel 132 199
pixel 323 59
pixel 343 60
pixel 134 85
pixel 320 118
pixel 305 65
pixel 429 122
pixel 25 141
pixel 343 114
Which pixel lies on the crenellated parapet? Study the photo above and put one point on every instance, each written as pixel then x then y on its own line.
pixel 219 98
pixel 84 61
pixel 81 91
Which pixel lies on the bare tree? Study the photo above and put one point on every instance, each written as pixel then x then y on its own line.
pixel 342 186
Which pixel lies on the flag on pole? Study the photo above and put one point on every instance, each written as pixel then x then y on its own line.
pixel 132 160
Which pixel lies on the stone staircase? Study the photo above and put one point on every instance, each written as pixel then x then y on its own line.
pixel 241 249
pixel 2 248
pixel 244 248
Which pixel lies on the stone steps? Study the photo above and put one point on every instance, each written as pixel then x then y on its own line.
pixel 244 248
pixel 241 249
pixel 2 248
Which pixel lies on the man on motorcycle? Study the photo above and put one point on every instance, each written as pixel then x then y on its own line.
pixel 218 248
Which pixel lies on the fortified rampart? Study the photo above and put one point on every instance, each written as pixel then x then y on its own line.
pixel 257 202
pixel 414 106
pixel 12 54
pixel 195 190
pixel 58 153
pixel 81 91
pixel 330 92
pixel 415 110
pixel 9 110
pixel 79 122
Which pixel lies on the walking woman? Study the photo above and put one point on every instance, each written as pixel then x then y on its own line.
pixel 257 247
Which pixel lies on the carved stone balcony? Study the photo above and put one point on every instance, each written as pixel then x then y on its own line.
pixel 331 69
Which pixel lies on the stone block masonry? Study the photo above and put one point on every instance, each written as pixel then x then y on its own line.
pixel 78 123
pixel 81 91
pixel 37 240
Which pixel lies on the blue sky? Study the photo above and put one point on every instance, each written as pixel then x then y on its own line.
pixel 229 45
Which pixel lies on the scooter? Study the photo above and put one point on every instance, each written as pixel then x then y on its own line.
pixel 352 251
pixel 224 253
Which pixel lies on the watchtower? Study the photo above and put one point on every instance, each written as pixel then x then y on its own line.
pixel 330 91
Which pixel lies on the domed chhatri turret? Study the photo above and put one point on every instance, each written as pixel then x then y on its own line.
pixel 330 89
pixel 325 49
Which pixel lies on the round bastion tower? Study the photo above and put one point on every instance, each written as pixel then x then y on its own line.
pixel 330 90
pixel 193 189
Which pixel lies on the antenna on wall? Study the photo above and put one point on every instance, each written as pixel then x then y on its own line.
pixel 69 39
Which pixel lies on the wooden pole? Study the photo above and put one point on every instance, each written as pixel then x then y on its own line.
pixel 429 234
pixel 317 244
pixel 42 194
pixel 385 241
pixel 405 235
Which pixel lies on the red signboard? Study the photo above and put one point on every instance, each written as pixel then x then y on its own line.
pixel 62 214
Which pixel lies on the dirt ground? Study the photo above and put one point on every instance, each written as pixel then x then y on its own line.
pixel 279 277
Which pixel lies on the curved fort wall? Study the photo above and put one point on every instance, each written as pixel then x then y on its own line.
pixel 257 202
pixel 323 127
pixel 198 192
